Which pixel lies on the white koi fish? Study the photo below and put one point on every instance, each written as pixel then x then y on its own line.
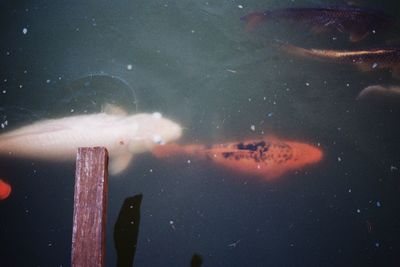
pixel 123 135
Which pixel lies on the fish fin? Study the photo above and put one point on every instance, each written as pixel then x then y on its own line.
pixel 120 163
pixel 113 110
pixel 357 36
pixel 253 20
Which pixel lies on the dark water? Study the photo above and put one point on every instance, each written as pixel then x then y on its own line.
pixel 194 62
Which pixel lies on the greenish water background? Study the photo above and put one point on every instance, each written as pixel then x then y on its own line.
pixel 194 62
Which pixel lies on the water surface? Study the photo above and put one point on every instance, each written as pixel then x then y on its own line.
pixel 194 62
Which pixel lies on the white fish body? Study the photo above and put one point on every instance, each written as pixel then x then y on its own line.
pixel 122 135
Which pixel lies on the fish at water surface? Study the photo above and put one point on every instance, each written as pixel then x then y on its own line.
pixel 365 60
pixel 123 135
pixel 355 21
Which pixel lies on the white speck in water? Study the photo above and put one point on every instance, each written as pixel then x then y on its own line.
pixel 171 223
pixel 24 31
pixel 253 128
pixel 393 168
pixel 188 161
pixel 48 81
pixel 151 170
pixel 358 211
pixel 192 31
pixel 377 244
pixel 4 91
pixel 307 84
pixel 72 110
pixel 349 190
pixel 339 159
pixel 240 6
pixel 373 31
pixel 378 204
pixel 249 99
pixel 20 86
pixel 347 85
pixel 374 65
pixel 129 67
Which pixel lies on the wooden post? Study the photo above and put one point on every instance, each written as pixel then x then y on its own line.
pixel 89 221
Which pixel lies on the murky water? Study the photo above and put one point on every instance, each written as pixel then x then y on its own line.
pixel 194 62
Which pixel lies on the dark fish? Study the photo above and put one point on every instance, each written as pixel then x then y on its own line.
pixel 358 22
pixel 365 60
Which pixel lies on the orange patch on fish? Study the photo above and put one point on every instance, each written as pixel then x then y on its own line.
pixel 268 159
pixel 5 190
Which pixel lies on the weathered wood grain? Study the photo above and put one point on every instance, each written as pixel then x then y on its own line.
pixel 90 205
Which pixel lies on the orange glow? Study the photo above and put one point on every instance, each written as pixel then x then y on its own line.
pixel 268 159
pixel 5 190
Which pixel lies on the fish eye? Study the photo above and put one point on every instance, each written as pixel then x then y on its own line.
pixel 158 140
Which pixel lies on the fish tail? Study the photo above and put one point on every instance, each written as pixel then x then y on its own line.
pixel 321 55
pixel 173 150
pixel 254 19
pixel 295 50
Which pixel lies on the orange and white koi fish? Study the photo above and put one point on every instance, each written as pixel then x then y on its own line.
pixel 268 159
pixel 5 190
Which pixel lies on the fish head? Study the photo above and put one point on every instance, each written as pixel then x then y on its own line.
pixel 154 129
pixel 305 154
